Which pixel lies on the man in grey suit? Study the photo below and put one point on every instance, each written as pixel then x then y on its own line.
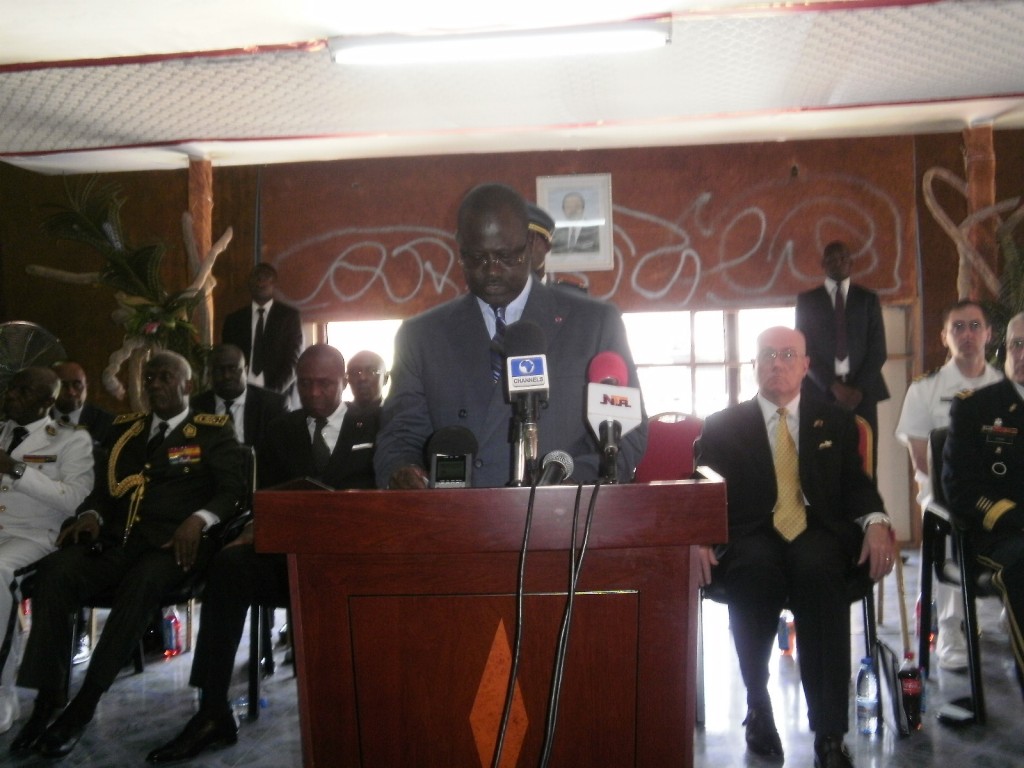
pixel 442 374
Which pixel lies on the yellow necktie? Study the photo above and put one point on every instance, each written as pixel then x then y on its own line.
pixel 790 515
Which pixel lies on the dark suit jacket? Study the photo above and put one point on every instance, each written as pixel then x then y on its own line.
pixel 442 377
pixel 262 406
pixel 97 421
pixel 588 241
pixel 288 452
pixel 198 466
pixel 735 444
pixel 983 461
pixel 865 335
pixel 282 339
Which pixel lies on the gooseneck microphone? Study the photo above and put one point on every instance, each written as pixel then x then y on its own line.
pixel 613 409
pixel 557 466
pixel 527 380
pixel 449 457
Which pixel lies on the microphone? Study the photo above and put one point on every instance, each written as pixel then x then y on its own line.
pixel 558 465
pixel 450 452
pixel 612 410
pixel 527 380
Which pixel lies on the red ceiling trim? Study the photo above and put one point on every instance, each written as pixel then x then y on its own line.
pixel 308 46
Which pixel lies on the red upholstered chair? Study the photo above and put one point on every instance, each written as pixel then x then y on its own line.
pixel 669 454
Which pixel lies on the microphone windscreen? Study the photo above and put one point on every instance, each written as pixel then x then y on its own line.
pixel 556 467
pixel 451 441
pixel 524 338
pixel 608 368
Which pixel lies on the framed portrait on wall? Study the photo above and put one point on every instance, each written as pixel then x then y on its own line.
pixel 581 206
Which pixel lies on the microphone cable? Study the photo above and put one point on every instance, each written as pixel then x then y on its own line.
pixel 516 643
pixel 575 566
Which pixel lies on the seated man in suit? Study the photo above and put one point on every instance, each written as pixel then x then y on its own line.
pixel 326 441
pixel 983 476
pixel 250 407
pixel 802 514
pixel 448 364
pixel 47 470
pixel 170 475
pixel 72 407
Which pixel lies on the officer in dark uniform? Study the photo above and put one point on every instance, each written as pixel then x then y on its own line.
pixel 170 475
pixel 983 475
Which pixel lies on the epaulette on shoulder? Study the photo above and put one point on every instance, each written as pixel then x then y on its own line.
pixel 124 418
pixel 210 419
pixel 928 374
pixel 965 393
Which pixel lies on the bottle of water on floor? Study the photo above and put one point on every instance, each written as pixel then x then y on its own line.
pixel 867 697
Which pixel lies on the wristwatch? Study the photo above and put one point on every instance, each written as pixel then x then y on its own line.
pixel 18 469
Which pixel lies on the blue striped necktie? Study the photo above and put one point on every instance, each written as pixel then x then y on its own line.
pixel 497 354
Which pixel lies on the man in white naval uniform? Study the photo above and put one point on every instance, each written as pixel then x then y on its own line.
pixel 965 332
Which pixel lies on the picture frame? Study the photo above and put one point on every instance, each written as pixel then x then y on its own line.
pixel 581 206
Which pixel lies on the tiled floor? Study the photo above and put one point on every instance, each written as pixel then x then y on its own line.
pixel 143 711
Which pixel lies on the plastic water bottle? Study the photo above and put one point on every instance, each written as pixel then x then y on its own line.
pixel 786 634
pixel 867 697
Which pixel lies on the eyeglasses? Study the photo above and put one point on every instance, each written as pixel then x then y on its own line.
pixel 507 258
pixel 353 372
pixel 959 326
pixel 787 355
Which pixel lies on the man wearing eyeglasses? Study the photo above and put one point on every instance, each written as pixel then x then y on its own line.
pixel 803 517
pixel 447 368
pixel 983 476
pixel 367 377
pixel 965 333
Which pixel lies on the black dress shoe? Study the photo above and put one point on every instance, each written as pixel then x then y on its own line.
pixel 830 752
pixel 202 731
pixel 762 737
pixel 61 737
pixel 32 731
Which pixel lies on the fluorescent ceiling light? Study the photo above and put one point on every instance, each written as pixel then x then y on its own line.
pixel 385 50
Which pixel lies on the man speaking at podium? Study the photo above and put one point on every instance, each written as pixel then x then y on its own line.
pixel 447 366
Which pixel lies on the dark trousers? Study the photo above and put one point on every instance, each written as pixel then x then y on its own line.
pixel 136 576
pixel 1004 552
pixel 237 576
pixel 762 573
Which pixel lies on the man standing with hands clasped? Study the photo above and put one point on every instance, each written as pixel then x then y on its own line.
pixel 803 518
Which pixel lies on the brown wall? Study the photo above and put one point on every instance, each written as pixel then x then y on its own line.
pixel 694 227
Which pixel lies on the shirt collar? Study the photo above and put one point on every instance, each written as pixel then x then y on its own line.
pixel 513 311
pixel 335 419
pixel 257 307
pixel 830 286
pixel 172 423
pixel 769 410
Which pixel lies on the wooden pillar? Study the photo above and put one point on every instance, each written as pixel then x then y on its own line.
pixel 200 208
pixel 980 172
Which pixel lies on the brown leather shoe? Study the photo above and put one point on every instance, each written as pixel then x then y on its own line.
pixel 762 736
pixel 202 731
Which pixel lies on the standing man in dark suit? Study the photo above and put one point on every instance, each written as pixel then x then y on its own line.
pixel 447 370
pixel 326 441
pixel 251 408
pixel 268 332
pixel 802 515
pixel 71 407
pixel 983 476
pixel 169 476
pixel 846 344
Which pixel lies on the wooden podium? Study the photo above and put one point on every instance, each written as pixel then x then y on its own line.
pixel 404 614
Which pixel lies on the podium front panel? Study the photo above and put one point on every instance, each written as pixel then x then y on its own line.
pixel 403 656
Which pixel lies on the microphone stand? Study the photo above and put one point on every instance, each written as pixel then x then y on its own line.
pixel 525 440
pixel 611 432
